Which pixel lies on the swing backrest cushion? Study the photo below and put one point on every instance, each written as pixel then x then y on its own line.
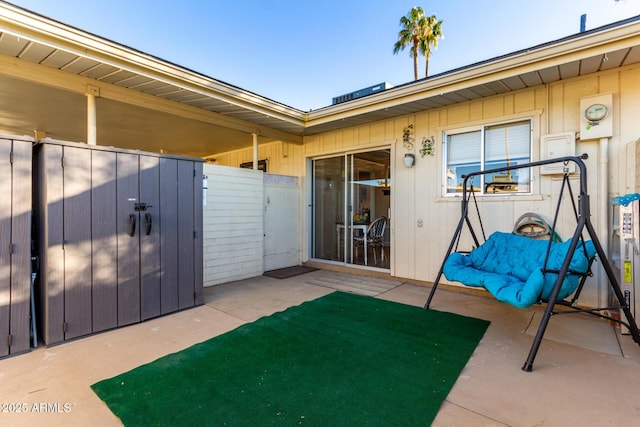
pixel 510 268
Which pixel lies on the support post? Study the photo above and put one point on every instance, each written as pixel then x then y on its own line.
pixel 92 133
pixel 255 151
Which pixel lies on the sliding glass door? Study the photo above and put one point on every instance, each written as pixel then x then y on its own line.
pixel 351 192
pixel 328 206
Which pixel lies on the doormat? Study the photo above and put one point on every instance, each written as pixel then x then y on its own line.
pixel 285 273
pixel 339 360
pixel 357 284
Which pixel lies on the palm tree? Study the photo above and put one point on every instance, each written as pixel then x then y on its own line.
pixel 432 31
pixel 412 31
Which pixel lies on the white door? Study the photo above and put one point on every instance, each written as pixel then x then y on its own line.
pixel 281 222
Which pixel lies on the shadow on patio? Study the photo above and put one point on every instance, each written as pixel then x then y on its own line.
pixel 584 374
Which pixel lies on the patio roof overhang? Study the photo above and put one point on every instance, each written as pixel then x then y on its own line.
pixel 147 103
pixel 47 67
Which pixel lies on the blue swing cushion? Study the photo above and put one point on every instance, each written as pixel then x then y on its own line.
pixel 510 268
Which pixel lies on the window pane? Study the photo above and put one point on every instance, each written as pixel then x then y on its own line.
pixel 463 157
pixel 508 145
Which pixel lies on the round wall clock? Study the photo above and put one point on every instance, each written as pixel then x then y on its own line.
pixel 596 112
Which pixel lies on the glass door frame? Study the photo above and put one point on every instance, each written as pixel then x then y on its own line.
pixel 349 187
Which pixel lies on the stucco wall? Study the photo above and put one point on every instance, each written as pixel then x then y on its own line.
pixel 416 192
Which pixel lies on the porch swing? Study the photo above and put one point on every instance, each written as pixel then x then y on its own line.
pixel 523 271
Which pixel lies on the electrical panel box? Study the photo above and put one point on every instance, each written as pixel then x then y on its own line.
pixel 557 145
pixel 629 255
pixel 636 167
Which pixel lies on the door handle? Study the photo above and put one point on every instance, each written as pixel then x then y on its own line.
pixel 147 219
pixel 132 225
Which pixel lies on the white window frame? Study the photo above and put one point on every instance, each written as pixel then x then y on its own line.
pixel 481 128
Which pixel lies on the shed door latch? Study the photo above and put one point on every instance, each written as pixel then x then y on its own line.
pixel 141 206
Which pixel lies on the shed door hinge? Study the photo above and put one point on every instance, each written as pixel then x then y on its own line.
pixel 9 339
pixel 11 248
pixel 65 327
pixel 11 157
pixel 62 161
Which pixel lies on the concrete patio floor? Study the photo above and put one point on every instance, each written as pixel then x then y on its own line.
pixel 585 373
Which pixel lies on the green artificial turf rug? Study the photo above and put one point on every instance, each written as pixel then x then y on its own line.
pixel 339 360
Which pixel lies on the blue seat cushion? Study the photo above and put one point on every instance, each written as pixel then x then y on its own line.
pixel 510 268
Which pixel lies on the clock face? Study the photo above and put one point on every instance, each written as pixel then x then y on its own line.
pixel 596 112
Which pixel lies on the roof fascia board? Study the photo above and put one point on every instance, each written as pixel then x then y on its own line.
pixel 21 23
pixel 547 56
pixel 40 29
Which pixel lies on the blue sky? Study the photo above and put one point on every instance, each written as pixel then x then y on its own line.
pixel 302 53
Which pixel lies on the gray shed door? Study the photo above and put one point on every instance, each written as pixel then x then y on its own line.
pixel 15 245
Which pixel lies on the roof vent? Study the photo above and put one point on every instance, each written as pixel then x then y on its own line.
pixel 360 93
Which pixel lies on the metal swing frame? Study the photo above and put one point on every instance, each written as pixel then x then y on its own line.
pixel 583 216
